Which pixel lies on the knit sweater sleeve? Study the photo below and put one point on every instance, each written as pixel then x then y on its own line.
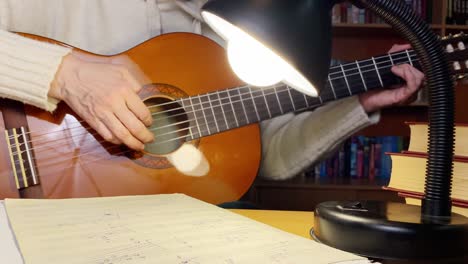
pixel 291 143
pixel 27 68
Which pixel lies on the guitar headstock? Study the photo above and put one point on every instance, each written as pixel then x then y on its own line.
pixel 457 54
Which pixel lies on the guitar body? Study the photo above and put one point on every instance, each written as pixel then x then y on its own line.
pixel 72 161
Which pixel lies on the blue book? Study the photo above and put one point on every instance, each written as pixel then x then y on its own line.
pixel 353 157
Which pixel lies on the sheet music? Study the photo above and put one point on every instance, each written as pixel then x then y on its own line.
pixel 168 228
pixel 9 253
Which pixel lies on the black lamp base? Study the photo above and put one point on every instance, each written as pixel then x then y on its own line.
pixel 390 231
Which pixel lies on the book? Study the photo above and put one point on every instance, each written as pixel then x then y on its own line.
pixel 417 201
pixel 164 228
pixel 409 172
pixel 419 139
pixel 419 196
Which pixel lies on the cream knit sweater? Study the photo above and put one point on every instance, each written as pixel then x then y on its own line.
pixel 290 143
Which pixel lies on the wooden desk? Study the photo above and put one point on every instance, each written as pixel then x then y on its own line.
pixel 300 222
pixel 296 222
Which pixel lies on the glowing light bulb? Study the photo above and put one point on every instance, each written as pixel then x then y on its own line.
pixel 252 63
pixel 255 63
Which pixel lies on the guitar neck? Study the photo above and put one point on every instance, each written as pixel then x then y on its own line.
pixel 223 110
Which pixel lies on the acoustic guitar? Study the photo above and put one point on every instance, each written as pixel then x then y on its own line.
pixel 207 140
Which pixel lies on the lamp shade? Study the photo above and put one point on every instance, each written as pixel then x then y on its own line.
pixel 295 32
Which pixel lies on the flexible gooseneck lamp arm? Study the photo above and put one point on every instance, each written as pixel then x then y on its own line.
pixel 436 201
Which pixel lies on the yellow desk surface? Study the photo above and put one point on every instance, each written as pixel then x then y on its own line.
pixel 296 222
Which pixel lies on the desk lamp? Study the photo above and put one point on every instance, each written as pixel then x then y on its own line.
pixel 290 41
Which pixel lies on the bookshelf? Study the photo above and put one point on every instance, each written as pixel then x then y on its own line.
pixel 304 194
pixel 356 41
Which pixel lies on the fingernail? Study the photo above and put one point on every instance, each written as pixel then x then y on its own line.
pixel 149 121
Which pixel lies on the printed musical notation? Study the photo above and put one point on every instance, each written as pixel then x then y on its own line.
pixel 171 228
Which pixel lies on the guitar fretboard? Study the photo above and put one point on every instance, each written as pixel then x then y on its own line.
pixel 223 110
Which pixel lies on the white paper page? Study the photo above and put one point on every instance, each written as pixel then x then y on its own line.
pixel 9 253
pixel 172 228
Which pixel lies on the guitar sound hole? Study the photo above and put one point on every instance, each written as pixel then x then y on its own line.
pixel 170 125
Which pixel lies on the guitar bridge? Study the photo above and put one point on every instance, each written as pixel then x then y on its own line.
pixel 21 157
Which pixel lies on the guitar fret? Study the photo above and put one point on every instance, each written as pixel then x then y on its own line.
pixel 212 110
pixel 409 57
pixel 204 115
pixel 186 111
pixel 285 100
pixel 243 106
pixel 254 104
pixel 279 102
pixel 320 99
pixel 12 160
pixel 28 153
pixel 233 110
pixel 362 77
pixel 299 99
pixel 331 86
pixel 346 79
pixel 260 103
pixel 222 110
pixel 378 74
pixel 195 115
pixel 339 82
pixel 266 103
pixel 219 115
pixel 290 97
pixel 391 60
pixel 305 99
pixel 271 102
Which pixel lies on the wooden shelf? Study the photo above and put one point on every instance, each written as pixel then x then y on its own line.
pixel 356 25
pixel 304 194
pixel 325 183
pixel 373 26
pixel 457 27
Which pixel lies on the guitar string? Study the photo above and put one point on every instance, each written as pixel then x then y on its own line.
pixel 106 150
pixel 404 53
pixel 339 72
pixel 39 145
pixel 105 158
pixel 212 101
pixel 186 129
pixel 170 110
pixel 128 150
pixel 204 130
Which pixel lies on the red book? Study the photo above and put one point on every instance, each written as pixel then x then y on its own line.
pixel 409 174
pixel 415 195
